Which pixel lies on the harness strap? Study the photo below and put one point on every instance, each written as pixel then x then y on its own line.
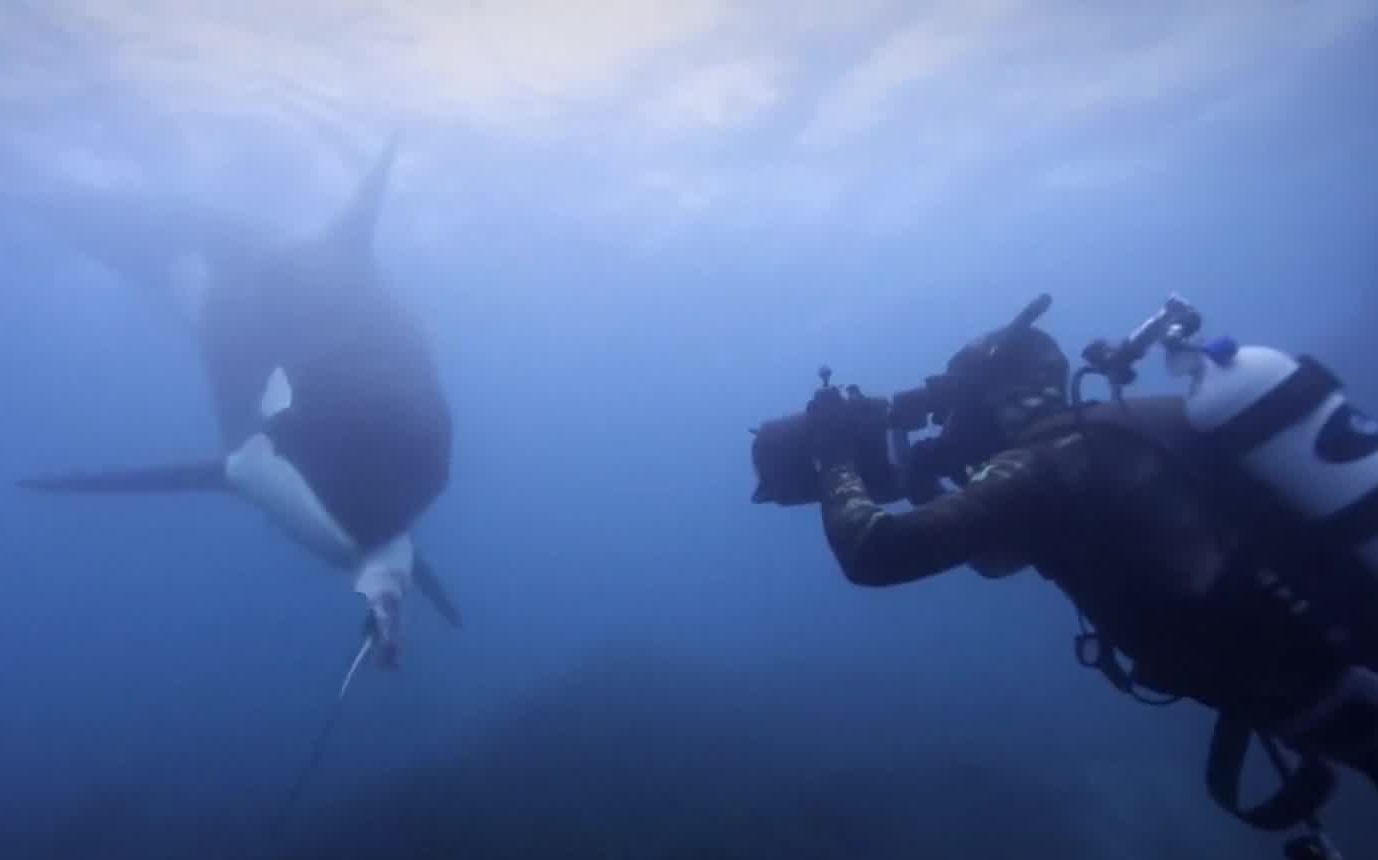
pixel 1301 392
pixel 1161 421
pixel 1352 524
pixel 1304 790
pixel 1094 652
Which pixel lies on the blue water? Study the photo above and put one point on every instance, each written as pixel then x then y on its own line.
pixel 651 666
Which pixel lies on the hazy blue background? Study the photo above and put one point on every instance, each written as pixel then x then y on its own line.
pixel 633 230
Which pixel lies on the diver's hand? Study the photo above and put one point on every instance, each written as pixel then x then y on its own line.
pixel 831 427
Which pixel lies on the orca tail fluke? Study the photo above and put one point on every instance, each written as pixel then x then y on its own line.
pixel 208 476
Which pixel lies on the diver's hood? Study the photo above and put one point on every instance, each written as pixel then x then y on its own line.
pixel 1005 356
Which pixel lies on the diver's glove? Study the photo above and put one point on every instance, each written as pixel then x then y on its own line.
pixel 830 420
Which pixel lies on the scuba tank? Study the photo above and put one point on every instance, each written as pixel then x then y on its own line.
pixel 1281 420
pixel 1287 424
pixel 1284 423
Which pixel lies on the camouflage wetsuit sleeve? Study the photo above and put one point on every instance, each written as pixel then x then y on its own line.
pixel 993 513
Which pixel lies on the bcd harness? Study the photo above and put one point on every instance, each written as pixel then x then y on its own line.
pixel 1160 422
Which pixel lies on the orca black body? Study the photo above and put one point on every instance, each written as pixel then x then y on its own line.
pixel 332 415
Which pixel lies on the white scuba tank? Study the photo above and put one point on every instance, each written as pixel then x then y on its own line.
pixel 1287 424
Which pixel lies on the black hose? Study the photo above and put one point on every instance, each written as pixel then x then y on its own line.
pixel 1315 844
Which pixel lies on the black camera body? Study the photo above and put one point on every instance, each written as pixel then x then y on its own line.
pixel 785 471
pixel 891 468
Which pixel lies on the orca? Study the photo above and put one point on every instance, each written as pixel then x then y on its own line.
pixel 332 415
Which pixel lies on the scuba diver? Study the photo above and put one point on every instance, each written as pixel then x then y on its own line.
pixel 1171 523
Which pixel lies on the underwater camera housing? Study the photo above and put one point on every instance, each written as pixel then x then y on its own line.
pixel 780 453
pixel 785 470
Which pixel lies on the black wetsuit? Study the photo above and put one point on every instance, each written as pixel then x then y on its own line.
pixel 1141 551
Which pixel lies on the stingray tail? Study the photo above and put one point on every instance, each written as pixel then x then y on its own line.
pixel 364 647
pixel 208 476
pixel 279 821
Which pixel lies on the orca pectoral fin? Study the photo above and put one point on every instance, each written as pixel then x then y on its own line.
pixel 426 582
pixel 208 476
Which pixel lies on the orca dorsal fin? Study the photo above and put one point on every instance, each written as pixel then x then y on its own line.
pixel 355 227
